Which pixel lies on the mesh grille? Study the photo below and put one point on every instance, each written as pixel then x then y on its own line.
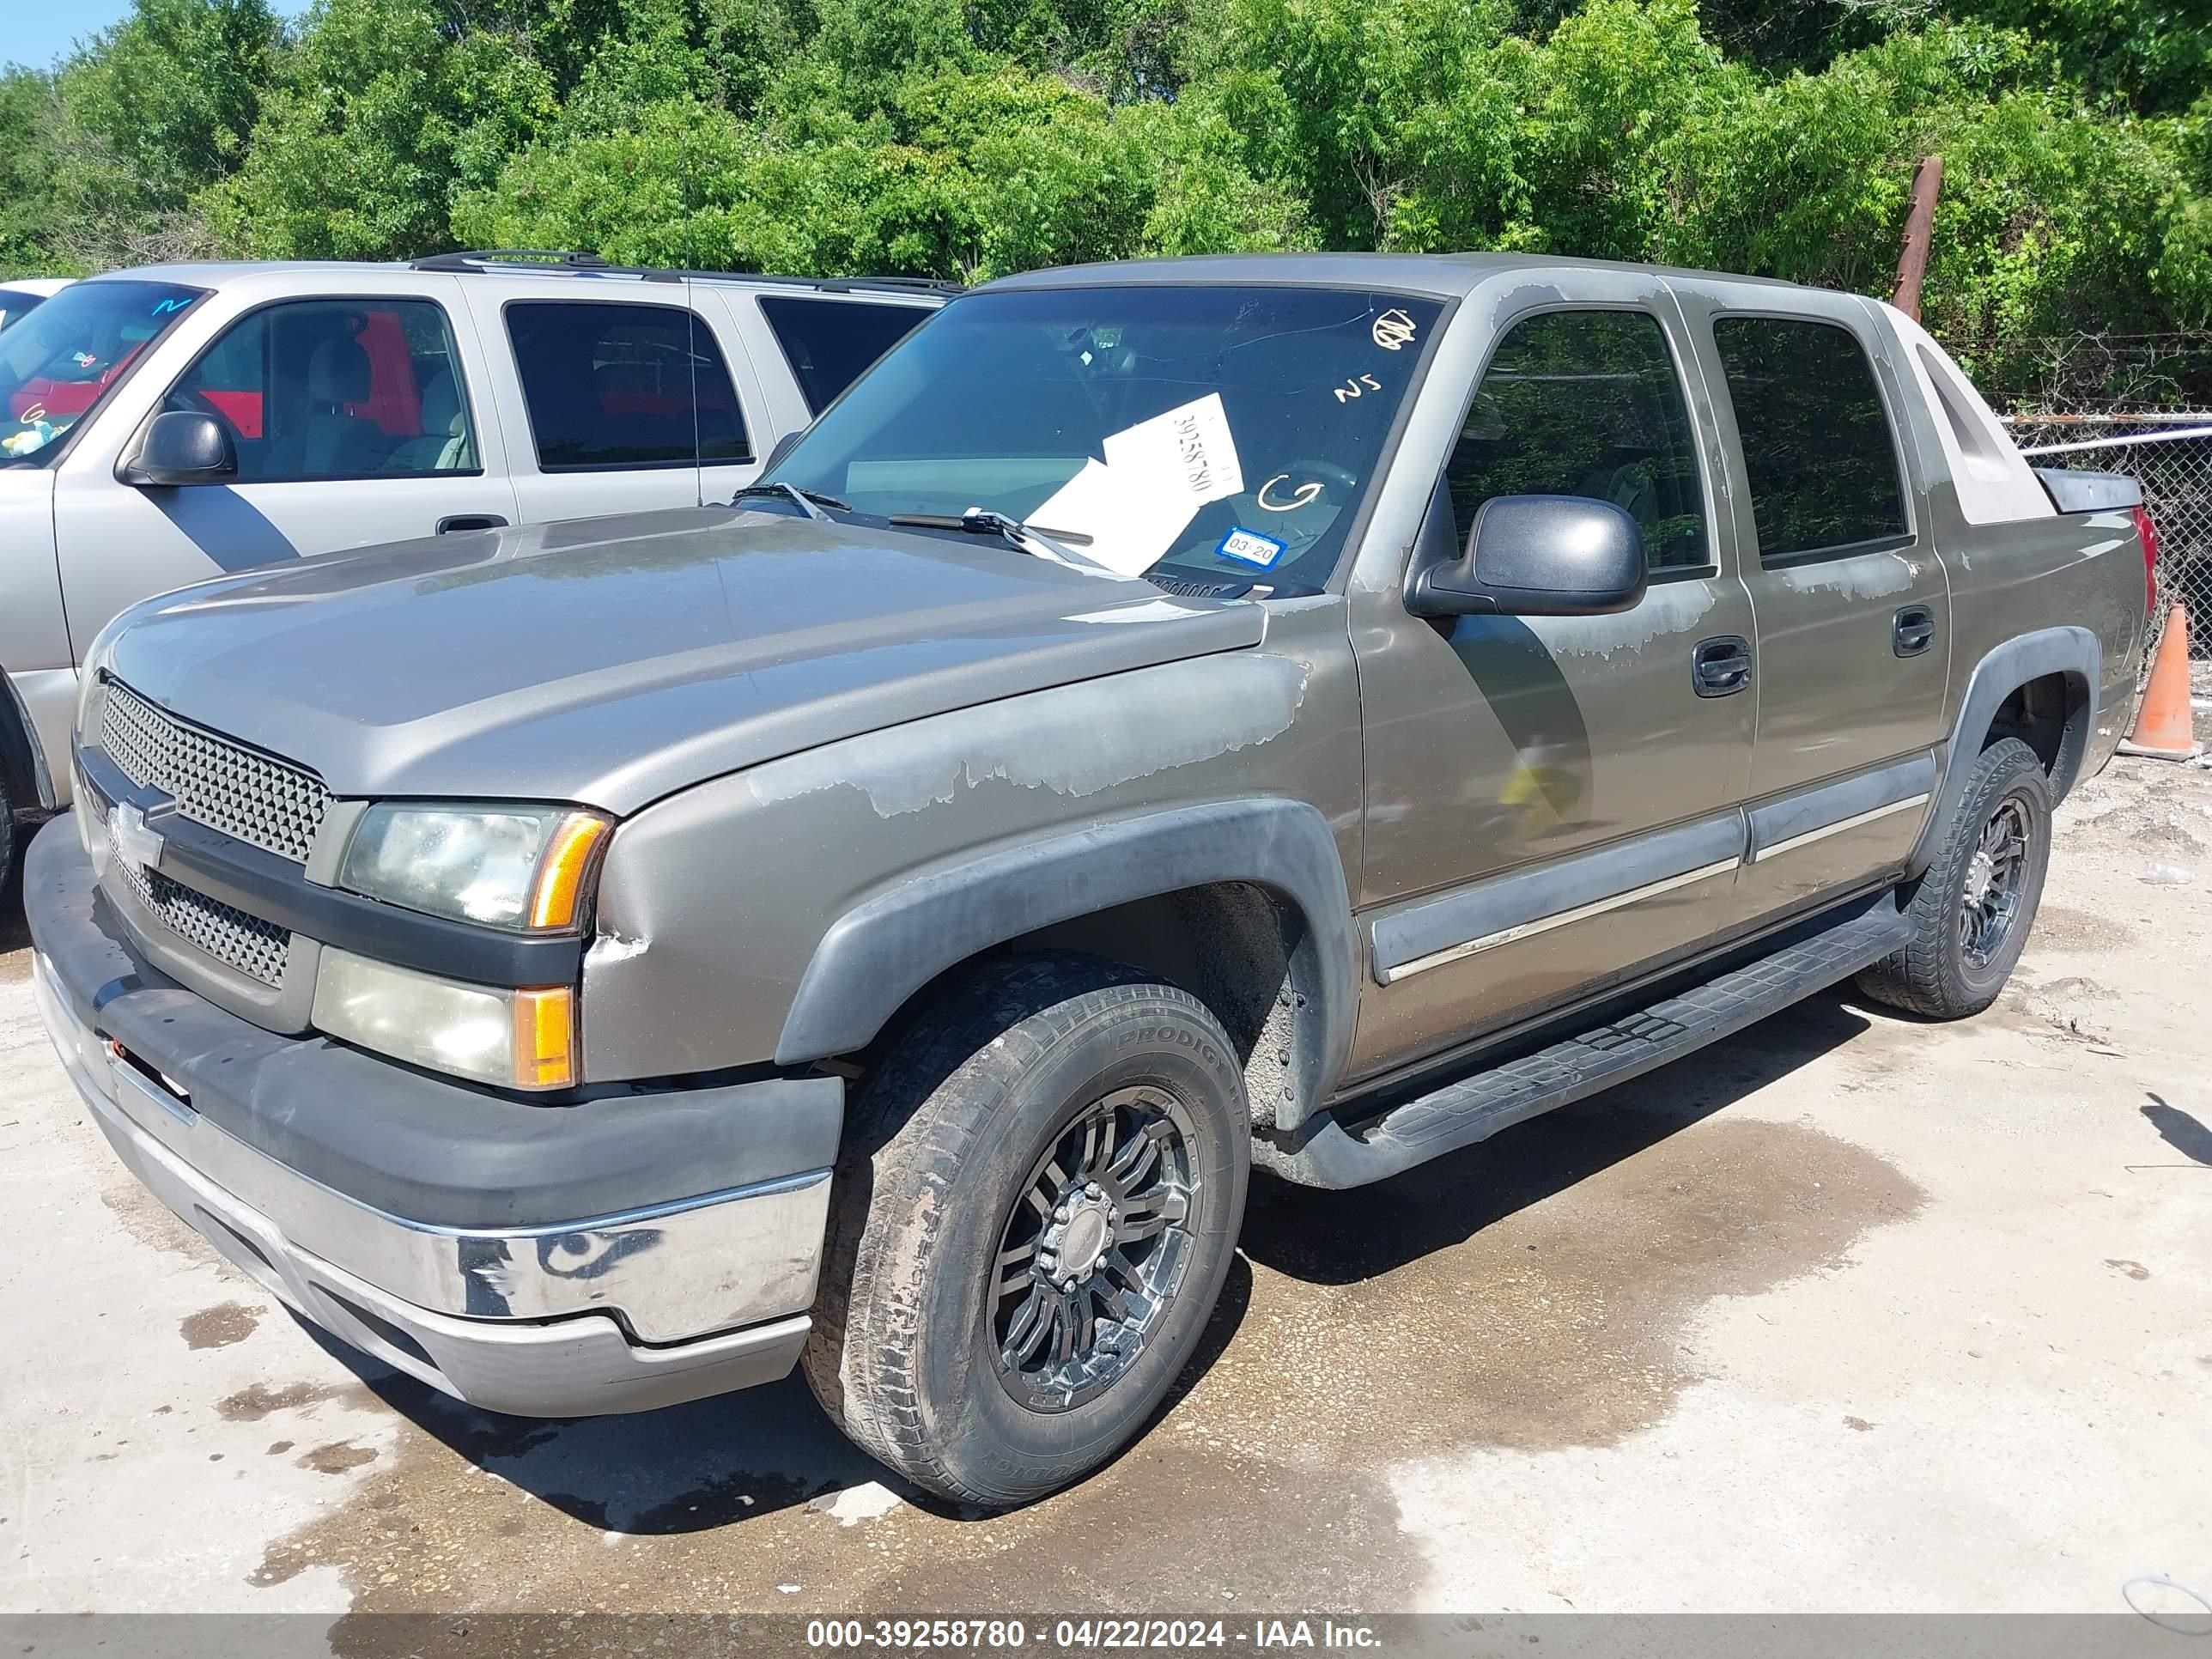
pixel 254 947
pixel 215 782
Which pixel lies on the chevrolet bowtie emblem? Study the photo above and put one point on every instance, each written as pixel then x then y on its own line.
pixel 132 839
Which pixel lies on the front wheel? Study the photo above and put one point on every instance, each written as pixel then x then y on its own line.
pixel 1039 1200
pixel 1971 911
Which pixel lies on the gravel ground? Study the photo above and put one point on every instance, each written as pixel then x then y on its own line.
pixel 1849 1312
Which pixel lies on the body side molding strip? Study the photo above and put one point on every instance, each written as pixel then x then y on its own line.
pixel 1500 908
pixel 1838 827
pixel 1545 924
pixel 1833 806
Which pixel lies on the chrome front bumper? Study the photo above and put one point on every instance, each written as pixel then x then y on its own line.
pixel 585 1317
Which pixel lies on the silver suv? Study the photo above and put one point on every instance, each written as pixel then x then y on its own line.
pixel 1302 713
pixel 168 424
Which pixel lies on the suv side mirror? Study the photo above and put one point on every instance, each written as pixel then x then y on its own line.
pixel 183 447
pixel 1538 555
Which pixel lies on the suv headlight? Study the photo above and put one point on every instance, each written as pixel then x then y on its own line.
pixel 520 868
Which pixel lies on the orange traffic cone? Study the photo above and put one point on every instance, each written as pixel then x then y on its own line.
pixel 2163 729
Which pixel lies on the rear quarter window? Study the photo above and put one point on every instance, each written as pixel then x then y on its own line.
pixel 1818 452
pixel 830 343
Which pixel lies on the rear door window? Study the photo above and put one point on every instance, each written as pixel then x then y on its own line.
pixel 830 343
pixel 1819 452
pixel 329 389
pixel 614 386
pixel 1587 403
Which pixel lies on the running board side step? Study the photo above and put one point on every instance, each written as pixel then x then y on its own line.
pixel 1475 1108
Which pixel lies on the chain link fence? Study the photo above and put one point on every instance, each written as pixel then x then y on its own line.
pixel 2138 404
pixel 2170 454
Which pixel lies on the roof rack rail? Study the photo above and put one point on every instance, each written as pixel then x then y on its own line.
pixel 479 260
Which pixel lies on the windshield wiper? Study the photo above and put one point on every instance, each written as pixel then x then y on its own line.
pixel 810 501
pixel 1057 544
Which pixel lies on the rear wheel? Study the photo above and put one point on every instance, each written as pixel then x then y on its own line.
pixel 1972 910
pixel 1038 1205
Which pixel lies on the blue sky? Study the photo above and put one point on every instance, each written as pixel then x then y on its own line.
pixel 37 32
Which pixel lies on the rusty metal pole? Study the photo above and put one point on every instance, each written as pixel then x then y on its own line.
pixel 1919 234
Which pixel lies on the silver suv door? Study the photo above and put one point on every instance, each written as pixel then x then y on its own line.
pixel 623 398
pixel 1851 602
pixel 1551 801
pixel 356 417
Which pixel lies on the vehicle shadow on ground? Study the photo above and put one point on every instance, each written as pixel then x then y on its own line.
pixel 715 1464
pixel 1344 1237
pixel 694 1467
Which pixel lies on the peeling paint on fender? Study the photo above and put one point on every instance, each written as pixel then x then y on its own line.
pixel 1075 740
pixel 613 947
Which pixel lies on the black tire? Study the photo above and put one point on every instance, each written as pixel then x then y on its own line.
pixel 8 837
pixel 1955 965
pixel 947 1140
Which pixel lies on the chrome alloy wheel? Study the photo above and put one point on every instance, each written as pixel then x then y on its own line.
pixel 1990 900
pixel 1094 1249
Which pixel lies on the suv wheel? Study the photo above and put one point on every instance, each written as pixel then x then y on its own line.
pixel 1971 911
pixel 1042 1190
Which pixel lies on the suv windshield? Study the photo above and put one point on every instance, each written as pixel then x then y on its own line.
pixel 1224 431
pixel 58 363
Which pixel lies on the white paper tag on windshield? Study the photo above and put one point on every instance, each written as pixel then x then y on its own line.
pixel 1156 476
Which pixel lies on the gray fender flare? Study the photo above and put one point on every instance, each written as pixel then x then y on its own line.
pixel 2073 652
pixel 879 953
pixel 22 748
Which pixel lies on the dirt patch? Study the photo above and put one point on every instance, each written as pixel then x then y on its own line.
pixel 2169 836
pixel 337 1458
pixel 1532 1293
pixel 2060 929
pixel 220 1325
pixel 2073 1008
pixel 252 1404
pixel 151 1222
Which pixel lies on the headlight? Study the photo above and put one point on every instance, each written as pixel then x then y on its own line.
pixel 522 868
pixel 517 1039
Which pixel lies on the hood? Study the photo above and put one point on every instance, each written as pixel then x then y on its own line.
pixel 611 661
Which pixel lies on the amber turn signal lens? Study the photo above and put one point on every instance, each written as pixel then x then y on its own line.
pixel 560 873
pixel 545 1038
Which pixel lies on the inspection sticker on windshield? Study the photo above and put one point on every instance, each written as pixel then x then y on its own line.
pixel 1250 547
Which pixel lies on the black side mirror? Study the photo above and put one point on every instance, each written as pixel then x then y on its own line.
pixel 783 448
pixel 1538 555
pixel 184 446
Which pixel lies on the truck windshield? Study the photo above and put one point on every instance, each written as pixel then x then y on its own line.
pixel 1221 431
pixel 57 363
